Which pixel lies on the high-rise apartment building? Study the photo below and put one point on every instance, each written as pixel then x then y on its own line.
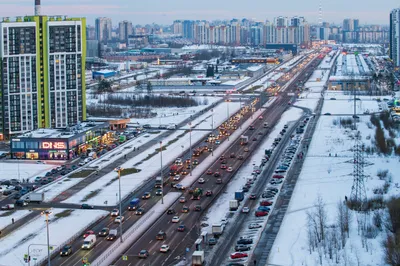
pixel 42 80
pixel 103 30
pixel 177 27
pixel 394 36
pixel 125 29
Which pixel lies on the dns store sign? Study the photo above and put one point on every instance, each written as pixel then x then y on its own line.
pixel 48 145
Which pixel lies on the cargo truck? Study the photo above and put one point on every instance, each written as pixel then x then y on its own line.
pixel 160 182
pixel 217 229
pixel 244 140
pixel 233 205
pixel 35 197
pixel 133 204
pixel 198 258
pixel 239 195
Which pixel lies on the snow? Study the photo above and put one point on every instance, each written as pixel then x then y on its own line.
pixel 6 220
pixel 54 189
pixel 235 82
pixel 15 245
pixel 26 169
pixel 151 166
pixel 220 208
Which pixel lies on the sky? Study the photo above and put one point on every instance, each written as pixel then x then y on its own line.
pixel 166 11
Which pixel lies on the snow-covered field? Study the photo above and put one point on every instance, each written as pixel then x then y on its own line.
pixel 15 245
pixel 6 220
pixel 106 185
pixel 26 169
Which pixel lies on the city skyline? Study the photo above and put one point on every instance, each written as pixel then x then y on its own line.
pixel 161 12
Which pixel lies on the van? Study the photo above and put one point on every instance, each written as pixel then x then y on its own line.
pixel 89 242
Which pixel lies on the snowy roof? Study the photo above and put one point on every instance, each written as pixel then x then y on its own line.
pixel 254 68
pixel 340 78
pixel 62 133
pixel 105 71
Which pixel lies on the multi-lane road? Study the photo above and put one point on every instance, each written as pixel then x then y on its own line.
pixel 179 241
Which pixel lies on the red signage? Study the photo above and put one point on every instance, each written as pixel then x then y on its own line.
pixel 47 145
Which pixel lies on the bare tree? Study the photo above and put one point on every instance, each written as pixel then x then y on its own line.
pixel 310 235
pixel 321 216
pixel 314 226
pixel 341 222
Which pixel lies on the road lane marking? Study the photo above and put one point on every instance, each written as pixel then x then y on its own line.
pixel 151 241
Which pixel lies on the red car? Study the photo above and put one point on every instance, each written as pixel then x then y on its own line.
pixel 238 255
pixel 87 233
pixel 209 172
pixel 223 166
pixel 265 203
pixel 181 228
pixel 209 193
pixel 278 176
pixel 217 174
pixel 261 213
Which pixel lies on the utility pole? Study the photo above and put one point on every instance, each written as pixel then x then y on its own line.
pixel 161 174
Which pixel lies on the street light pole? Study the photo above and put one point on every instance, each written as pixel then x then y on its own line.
pixel 46 213
pixel 120 203
pixel 190 149
pixel 161 174
pixel 212 130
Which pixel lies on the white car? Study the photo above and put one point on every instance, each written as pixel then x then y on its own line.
pixel 177 178
pixel 245 209
pixel 230 169
pixel 254 226
pixel 115 212
pixel 82 163
pixel 119 219
pixel 201 180
pixel 175 219
pixel 164 248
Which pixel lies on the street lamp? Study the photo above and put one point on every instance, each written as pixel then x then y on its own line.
pixel 46 213
pixel 212 131
pixel 190 149
pixel 119 169
pixel 161 174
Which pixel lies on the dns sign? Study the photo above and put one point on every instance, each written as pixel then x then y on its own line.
pixel 54 145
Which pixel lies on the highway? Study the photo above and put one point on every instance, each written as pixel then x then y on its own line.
pixel 130 217
pixel 179 241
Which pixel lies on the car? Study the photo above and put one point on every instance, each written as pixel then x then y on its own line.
pixel 115 212
pixel 223 162
pixel 7 192
pixel 217 174
pixel 254 226
pixel 209 193
pixel 263 208
pixel 119 219
pixel 276 181
pixel 88 233
pixel 164 248
pixel 217 142
pixel 170 211
pixel 177 177
pixel 232 155
pixel 223 166
pixel 159 192
pixel 201 180
pixel 175 219
pixel 197 208
pixel 245 209
pixel 87 206
pixel 251 127
pixel 254 139
pixel 182 199
pixel 327 114
pixel 261 213
pixel 219 181
pixel 253 196
pixel 185 209
pixel 280 171
pixel 222 157
pixel 209 172
pixel 260 133
pixel 266 203
pixel 246 149
pixel 66 251
pixel 179 187
pixel 278 176
pixel 195 162
pixel 181 228
pixel 146 195
pixel 143 254
pixel 244 241
pixel 230 169
pixel 104 231
pixel 242 248
pixel 212 241
pixel 238 255
pixel 240 157
pixel 139 211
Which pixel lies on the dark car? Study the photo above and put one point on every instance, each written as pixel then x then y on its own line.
pixel 7 192
pixel 245 189
pixel 197 208
pixel 253 196
pixel 143 254
pixel 212 241
pixel 209 193
pixel 217 174
pixel 66 250
pixel 244 241
pixel 171 211
pixel 104 231
pixel 86 206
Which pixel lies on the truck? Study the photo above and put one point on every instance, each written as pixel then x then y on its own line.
pixel 35 197
pixel 171 126
pixel 8 207
pixel 217 229
pixel 89 242
pixel 197 193
pixel 160 182
pixel 239 195
pixel 198 258
pixel 233 205
pixel 133 204
pixel 244 140
pixel 175 169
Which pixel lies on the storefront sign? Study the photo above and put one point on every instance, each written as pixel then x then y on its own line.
pixel 46 145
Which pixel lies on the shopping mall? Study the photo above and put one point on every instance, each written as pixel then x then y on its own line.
pixel 62 144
